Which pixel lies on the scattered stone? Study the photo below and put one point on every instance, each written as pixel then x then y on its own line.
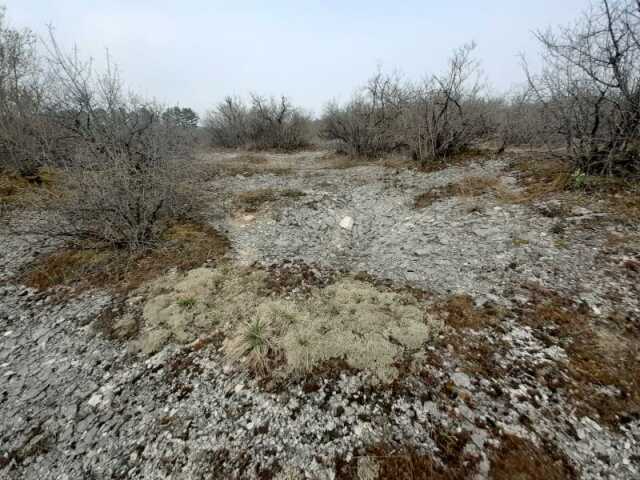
pixel 346 223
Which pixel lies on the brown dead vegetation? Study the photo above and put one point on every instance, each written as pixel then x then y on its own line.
pixel 13 186
pixel 460 311
pixel 460 159
pixel 392 463
pixel 545 177
pixel 296 277
pixel 251 201
pixel 472 186
pixel 343 161
pixel 183 246
pixel 246 165
pixel 604 354
pixel 517 458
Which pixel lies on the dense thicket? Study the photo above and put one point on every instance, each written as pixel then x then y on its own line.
pixel 266 123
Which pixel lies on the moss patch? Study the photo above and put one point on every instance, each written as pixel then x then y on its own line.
pixel 353 321
pixel 349 322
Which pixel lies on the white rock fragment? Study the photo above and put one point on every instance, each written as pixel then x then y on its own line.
pixel 95 400
pixel 346 223
pixel 461 380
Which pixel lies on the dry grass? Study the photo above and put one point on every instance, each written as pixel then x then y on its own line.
pixel 520 459
pixel 337 161
pixel 472 186
pixel 13 187
pixel 183 246
pixel 459 159
pixel 540 177
pixel 246 165
pixel 251 201
pixel 546 177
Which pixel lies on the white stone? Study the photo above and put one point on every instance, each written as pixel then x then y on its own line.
pixel 580 211
pixel 461 380
pixel 346 223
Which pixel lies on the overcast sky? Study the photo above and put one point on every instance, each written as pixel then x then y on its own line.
pixel 194 52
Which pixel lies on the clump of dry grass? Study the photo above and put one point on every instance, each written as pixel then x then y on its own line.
pixel 183 245
pixel 547 177
pixel 252 200
pixel 471 186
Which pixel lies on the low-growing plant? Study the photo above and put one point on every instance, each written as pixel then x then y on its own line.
pixel 187 303
pixel 252 344
pixel 349 322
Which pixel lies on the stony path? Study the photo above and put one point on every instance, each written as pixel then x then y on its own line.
pixel 481 246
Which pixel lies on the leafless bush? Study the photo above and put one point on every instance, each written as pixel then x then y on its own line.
pixel 278 124
pixel 267 124
pixel 123 183
pixel 590 88
pixel 228 123
pixel 370 124
pixel 26 136
pixel 437 118
pixel 446 112
pixel 517 119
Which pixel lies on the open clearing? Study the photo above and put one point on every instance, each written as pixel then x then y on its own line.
pixel 406 324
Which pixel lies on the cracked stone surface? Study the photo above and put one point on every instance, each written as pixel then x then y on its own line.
pixel 75 404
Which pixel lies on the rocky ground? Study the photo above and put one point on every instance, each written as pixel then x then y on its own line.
pixel 504 392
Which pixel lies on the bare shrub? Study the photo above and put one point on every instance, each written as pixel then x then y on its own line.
pixel 369 125
pixel 278 124
pixel 518 119
pixel 228 123
pixel 438 118
pixel 267 124
pixel 125 178
pixel 446 110
pixel 590 88
pixel 26 136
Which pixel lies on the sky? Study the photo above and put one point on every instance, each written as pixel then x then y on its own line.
pixel 195 52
